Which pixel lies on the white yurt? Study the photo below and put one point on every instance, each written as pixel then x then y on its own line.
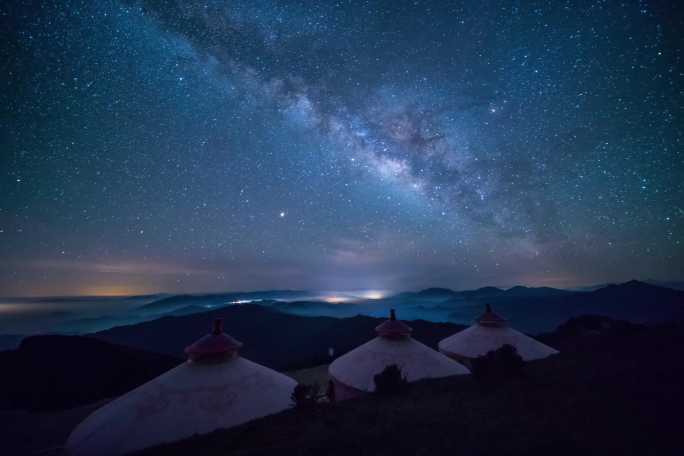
pixel 215 388
pixel 490 332
pixel 353 373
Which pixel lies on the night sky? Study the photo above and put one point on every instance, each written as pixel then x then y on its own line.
pixel 178 147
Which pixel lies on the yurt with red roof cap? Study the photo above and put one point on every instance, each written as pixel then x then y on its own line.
pixel 215 388
pixel 353 373
pixel 490 332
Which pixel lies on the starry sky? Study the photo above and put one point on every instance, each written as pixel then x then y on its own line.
pixel 338 145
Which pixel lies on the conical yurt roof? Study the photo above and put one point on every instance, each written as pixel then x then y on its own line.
pixel 394 345
pixel 215 388
pixel 490 332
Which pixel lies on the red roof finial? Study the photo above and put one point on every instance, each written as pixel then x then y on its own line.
pixel 491 318
pixel 218 326
pixel 393 328
pixel 217 346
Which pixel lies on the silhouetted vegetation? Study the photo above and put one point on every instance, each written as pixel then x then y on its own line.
pixel 497 366
pixel 305 396
pixel 390 381
pixel 330 392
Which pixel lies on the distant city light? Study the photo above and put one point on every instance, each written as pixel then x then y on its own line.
pixel 373 294
pixel 336 299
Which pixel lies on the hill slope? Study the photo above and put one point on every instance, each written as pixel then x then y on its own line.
pixel 54 372
pixel 613 393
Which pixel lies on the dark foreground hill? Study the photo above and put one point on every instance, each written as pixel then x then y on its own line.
pixel 615 389
pixel 275 339
pixel 56 372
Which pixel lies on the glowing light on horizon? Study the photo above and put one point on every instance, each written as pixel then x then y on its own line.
pixel 243 301
pixel 112 290
pixel 336 299
pixel 373 294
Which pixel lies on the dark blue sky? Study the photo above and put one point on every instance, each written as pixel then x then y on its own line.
pixel 180 146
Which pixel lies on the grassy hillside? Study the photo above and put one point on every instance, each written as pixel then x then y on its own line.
pixel 613 390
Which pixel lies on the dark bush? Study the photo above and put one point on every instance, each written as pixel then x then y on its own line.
pixel 330 392
pixel 305 395
pixel 498 365
pixel 390 381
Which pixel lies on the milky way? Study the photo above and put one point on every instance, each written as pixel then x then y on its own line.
pixel 181 146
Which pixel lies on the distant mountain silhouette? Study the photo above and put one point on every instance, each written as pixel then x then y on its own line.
pixel 486 292
pixel 634 301
pixel 54 372
pixel 532 309
pixel 482 292
pixel 675 285
pixel 217 299
pixel 275 339
pixel 540 292
pixel 522 291
pixel 436 292
pixel 636 289
pixel 182 300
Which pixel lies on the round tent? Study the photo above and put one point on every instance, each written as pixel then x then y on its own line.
pixel 215 388
pixel 490 332
pixel 353 373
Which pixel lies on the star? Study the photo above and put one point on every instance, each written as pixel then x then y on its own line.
pixel 396 140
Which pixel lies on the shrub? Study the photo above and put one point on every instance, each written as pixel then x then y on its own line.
pixel 390 381
pixel 497 365
pixel 330 393
pixel 305 395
